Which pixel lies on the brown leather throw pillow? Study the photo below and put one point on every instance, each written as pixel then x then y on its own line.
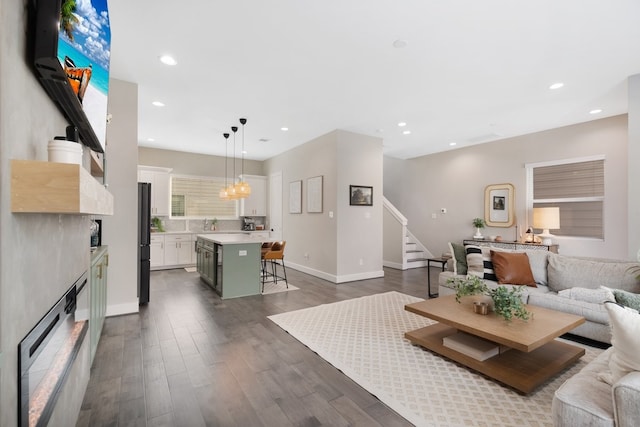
pixel 512 268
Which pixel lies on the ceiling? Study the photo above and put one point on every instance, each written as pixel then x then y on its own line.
pixel 469 72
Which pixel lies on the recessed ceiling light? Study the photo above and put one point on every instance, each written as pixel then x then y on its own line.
pixel 158 103
pixel 264 140
pixel 402 124
pixel 596 111
pixel 379 130
pixel 243 152
pixel 150 139
pixel 406 132
pixel 452 144
pixel 168 60
pixel 284 129
pixel 399 44
pixel 556 85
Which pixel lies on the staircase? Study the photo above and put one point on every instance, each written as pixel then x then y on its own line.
pixel 401 249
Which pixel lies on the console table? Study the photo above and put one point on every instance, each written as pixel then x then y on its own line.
pixel 513 245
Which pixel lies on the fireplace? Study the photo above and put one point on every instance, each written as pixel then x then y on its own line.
pixel 46 355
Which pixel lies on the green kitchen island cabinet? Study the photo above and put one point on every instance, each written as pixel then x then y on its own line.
pixel 229 263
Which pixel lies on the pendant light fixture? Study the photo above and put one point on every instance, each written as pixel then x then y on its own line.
pixel 223 192
pixel 243 189
pixel 231 189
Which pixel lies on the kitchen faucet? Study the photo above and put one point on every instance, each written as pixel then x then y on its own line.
pixel 205 226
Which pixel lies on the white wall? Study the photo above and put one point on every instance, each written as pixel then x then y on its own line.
pixel 456 180
pixel 120 231
pixel 196 164
pixel 317 243
pixel 633 192
pixel 359 227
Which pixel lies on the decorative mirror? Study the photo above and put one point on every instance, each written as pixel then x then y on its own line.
pixel 498 205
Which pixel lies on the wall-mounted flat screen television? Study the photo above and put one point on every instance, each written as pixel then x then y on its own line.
pixel 72 46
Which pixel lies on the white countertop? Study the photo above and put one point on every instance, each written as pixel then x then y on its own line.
pixel 210 232
pixel 230 239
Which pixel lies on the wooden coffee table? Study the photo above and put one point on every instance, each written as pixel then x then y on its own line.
pixel 534 354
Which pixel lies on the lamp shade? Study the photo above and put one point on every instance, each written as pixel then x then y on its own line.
pixel 546 218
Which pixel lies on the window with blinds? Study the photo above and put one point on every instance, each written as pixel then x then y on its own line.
pixel 198 197
pixel 577 188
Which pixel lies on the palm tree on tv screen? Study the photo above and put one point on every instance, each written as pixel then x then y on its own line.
pixel 67 17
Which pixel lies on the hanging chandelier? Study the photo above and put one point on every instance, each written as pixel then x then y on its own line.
pixel 223 192
pixel 243 189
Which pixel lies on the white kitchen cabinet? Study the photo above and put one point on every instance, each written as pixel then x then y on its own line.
pixel 178 249
pixel 156 246
pixel 160 188
pixel 256 203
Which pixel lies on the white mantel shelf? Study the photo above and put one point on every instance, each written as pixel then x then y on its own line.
pixel 59 188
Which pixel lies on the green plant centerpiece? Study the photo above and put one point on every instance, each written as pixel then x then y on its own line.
pixel 507 302
pixel 478 223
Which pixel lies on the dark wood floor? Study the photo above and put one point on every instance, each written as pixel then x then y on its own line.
pixel 191 359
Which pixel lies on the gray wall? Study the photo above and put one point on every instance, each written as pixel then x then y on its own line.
pixel 196 164
pixel 41 255
pixel 119 231
pixel 332 247
pixel 456 180
pixel 633 192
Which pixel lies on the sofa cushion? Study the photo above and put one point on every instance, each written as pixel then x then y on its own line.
pixel 595 296
pixel 512 268
pixel 538 261
pixel 628 299
pixel 459 258
pixel 625 337
pixel 568 272
pixel 583 400
pixel 479 262
pixel 590 311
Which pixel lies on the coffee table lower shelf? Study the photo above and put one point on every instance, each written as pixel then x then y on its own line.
pixel 522 371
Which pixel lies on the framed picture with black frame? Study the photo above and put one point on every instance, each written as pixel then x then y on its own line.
pixel 360 195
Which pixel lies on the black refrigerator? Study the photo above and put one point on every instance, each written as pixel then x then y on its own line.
pixel 144 238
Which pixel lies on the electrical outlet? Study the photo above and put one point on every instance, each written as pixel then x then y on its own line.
pixel 242 253
pixel 361 261
pixel 434 215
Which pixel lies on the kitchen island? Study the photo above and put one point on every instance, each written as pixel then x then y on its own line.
pixel 229 263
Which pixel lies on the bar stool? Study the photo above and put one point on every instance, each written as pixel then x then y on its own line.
pixel 275 253
pixel 266 247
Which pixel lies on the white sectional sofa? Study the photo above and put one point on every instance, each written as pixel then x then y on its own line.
pixel 564 283
pixel 599 395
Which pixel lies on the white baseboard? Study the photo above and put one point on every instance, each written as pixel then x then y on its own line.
pixel 391 264
pixel 120 309
pixel 332 277
pixel 316 273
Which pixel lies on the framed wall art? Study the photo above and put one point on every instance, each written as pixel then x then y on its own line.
pixel 314 194
pixel 295 197
pixel 360 195
pixel 499 205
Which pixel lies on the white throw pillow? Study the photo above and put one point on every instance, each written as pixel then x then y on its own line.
pixel 625 338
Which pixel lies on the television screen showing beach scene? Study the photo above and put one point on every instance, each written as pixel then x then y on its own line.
pixel 84 48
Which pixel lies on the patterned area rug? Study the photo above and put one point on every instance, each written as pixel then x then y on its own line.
pixel 363 338
pixel 281 286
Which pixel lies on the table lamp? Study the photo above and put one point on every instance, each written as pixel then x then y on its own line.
pixel 546 219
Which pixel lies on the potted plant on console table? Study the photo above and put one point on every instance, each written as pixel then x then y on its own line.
pixel 504 301
pixel 478 223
